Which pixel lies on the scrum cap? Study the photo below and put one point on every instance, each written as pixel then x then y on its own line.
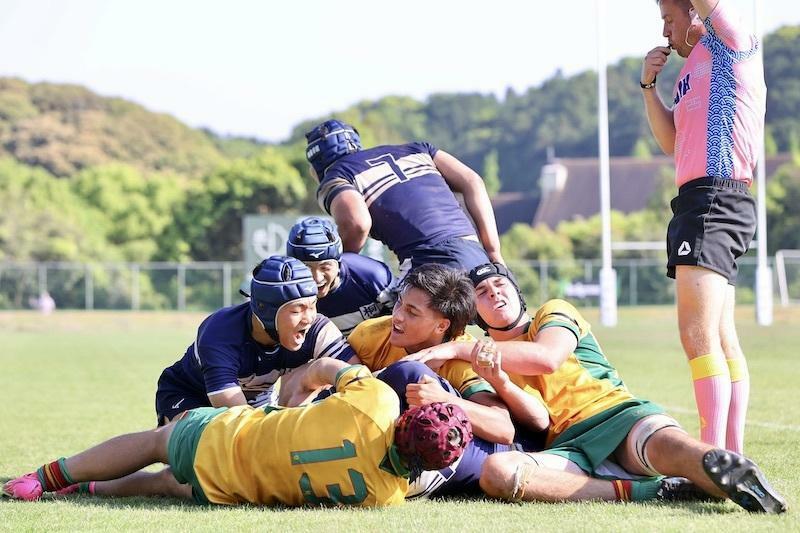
pixel 314 239
pixel 432 437
pixel 328 142
pixel 277 281
pixel 489 270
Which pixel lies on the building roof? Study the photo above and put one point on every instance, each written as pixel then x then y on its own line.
pixel 577 195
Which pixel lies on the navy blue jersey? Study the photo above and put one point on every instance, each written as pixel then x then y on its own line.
pixel 462 477
pixel 408 199
pixel 365 290
pixel 225 356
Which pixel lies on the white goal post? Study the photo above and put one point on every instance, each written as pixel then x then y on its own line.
pixel 782 257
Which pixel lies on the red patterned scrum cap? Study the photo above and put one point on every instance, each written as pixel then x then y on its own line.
pixel 432 437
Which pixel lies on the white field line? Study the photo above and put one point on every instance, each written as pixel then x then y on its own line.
pixel 755 423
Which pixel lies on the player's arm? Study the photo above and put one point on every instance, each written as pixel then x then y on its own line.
pixel 220 367
pixel 486 411
pixel 544 355
pixel 322 372
pixel 227 398
pixel 462 179
pixel 548 351
pixel 352 219
pixel 659 117
pixel 526 409
pixel 704 7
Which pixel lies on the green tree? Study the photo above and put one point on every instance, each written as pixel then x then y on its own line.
pixel 211 218
pixel 138 208
pixel 43 220
pixel 783 217
pixel 491 173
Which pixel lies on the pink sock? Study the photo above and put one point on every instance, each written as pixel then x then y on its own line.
pixel 737 412
pixel 713 396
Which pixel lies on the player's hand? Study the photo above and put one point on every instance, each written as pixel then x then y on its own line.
pixel 654 63
pixel 486 361
pixel 428 390
pixel 435 356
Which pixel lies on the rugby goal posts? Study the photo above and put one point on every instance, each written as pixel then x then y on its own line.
pixel 787 266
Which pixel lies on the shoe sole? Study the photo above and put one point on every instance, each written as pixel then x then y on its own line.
pixel 682 490
pixel 740 478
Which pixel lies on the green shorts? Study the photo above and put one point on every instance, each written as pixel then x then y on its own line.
pixel 182 446
pixel 589 442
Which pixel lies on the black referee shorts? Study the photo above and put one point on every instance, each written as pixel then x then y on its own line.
pixel 712 225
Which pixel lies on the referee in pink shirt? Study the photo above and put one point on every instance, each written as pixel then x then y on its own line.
pixel 714 125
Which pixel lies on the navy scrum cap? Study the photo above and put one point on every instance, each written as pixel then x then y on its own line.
pixel 277 281
pixel 489 270
pixel 314 239
pixel 328 142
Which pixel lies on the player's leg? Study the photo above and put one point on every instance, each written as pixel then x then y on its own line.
pixel 700 295
pixel 653 447
pixel 161 483
pixel 518 476
pixel 740 378
pixel 112 459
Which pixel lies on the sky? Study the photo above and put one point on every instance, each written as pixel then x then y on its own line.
pixel 258 67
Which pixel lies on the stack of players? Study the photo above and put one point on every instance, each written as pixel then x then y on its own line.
pixel 338 383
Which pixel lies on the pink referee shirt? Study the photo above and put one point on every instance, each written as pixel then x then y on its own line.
pixel 719 103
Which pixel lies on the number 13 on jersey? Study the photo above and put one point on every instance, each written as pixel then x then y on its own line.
pixel 335 496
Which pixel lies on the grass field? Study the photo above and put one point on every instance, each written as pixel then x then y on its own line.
pixel 73 379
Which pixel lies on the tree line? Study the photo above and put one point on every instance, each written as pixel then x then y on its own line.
pixel 89 178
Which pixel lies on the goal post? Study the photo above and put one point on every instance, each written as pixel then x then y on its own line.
pixel 787 266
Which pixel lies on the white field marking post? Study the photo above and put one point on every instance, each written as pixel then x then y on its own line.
pixel 763 271
pixel 608 277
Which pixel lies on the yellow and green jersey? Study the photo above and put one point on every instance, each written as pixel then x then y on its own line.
pixel 584 385
pixel 370 342
pixel 337 451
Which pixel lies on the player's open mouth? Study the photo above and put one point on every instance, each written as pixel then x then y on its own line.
pixel 499 305
pixel 396 329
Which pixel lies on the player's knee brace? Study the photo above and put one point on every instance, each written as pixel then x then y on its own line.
pixel 639 436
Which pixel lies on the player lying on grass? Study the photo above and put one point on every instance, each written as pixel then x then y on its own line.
pixel 348 449
pixel 350 287
pixel 240 351
pixel 463 476
pixel 460 478
pixel 593 416
pixel 435 305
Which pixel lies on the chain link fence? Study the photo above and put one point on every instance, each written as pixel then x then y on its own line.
pixel 203 286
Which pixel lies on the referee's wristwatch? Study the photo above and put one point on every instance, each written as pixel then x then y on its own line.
pixel 650 85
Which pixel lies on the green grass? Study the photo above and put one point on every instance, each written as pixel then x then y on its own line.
pixel 73 379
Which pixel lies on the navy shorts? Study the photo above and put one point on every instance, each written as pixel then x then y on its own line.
pixel 713 222
pixel 459 253
pixel 173 398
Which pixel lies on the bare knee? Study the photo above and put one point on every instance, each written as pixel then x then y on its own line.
pixel 730 342
pixel 698 338
pixel 497 474
pixel 169 486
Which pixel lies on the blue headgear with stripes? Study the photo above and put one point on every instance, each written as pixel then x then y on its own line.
pixel 328 142
pixel 277 281
pixel 314 239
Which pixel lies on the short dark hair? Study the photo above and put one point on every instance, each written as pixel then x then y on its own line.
pixel 685 3
pixel 451 294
